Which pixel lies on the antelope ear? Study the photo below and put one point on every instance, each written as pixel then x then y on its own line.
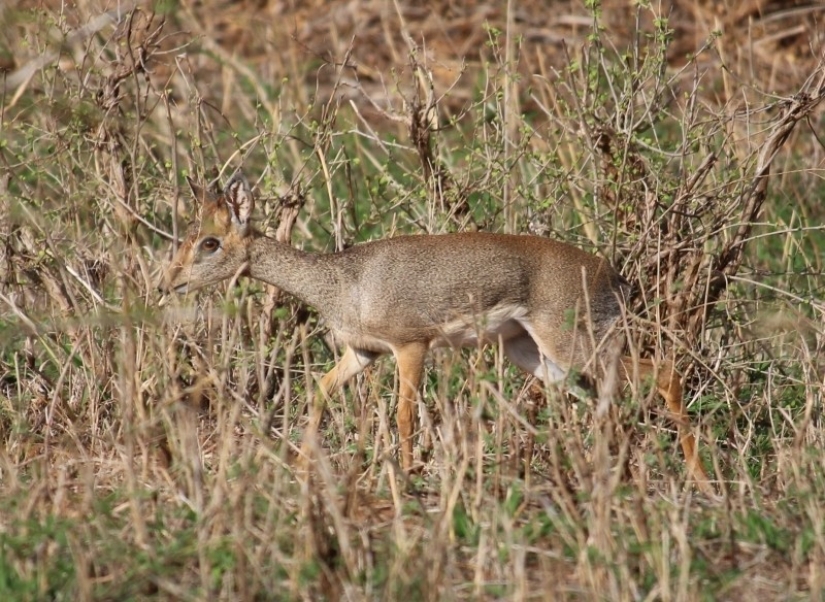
pixel 241 203
pixel 200 193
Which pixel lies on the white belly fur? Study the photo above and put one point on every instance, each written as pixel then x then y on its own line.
pixel 497 324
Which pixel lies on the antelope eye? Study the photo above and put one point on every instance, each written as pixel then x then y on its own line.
pixel 210 245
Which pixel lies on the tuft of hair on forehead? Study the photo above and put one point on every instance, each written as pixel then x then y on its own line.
pixel 202 194
pixel 230 208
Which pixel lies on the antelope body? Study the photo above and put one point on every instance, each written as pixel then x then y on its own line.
pixel 552 306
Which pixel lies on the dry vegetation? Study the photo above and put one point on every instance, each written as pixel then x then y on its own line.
pixel 152 454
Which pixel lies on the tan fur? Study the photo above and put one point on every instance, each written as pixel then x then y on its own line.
pixel 552 306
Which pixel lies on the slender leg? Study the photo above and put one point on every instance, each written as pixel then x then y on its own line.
pixel 410 359
pixel 352 363
pixel 669 387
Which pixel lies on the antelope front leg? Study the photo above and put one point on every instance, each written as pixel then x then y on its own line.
pixel 352 363
pixel 670 388
pixel 410 359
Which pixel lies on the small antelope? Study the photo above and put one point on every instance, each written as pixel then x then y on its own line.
pixel 552 306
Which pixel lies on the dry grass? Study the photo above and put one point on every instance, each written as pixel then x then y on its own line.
pixel 152 453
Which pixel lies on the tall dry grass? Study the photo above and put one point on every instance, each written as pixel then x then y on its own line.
pixel 151 453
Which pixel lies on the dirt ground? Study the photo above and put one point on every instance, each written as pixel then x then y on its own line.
pixel 770 45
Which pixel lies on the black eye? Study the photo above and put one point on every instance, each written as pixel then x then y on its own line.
pixel 210 245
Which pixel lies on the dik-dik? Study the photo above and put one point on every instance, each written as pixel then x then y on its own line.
pixel 552 306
